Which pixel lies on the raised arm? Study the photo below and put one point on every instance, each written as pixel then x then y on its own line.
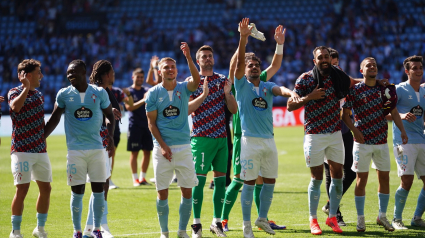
pixel 53 120
pixel 318 93
pixel 193 83
pixel 196 103
pixel 279 36
pixel 153 77
pixel 285 92
pixel 165 149
pixel 19 101
pixel 245 31
pixel 137 104
pixel 129 99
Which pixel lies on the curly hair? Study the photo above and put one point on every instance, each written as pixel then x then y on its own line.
pixel 100 68
pixel 414 58
pixel 28 65
pixel 251 56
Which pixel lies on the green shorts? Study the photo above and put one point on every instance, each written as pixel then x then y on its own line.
pixel 209 154
pixel 236 154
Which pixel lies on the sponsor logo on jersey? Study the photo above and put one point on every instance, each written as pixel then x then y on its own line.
pixel 259 104
pixel 171 112
pixel 83 114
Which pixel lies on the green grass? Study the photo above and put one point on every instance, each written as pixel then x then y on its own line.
pixel 132 211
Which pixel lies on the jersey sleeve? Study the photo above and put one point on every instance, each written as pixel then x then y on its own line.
pixel 104 102
pixel 59 99
pixel 349 100
pixel 301 86
pixel 13 93
pixel 151 100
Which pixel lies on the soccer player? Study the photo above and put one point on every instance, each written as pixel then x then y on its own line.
pixel 167 110
pixel 139 137
pixel 122 96
pixel 258 148
pixel 370 134
pixel 321 89
pixel 103 75
pixel 29 159
pixel 347 137
pixel 209 138
pixel 84 105
pixel 410 157
pixel 233 189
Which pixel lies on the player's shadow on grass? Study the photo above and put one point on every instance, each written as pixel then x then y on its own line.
pixel 382 233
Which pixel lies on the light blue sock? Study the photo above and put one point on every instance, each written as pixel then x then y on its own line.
pixel 400 201
pixel 16 222
pixel 314 196
pixel 41 219
pixel 266 197
pixel 383 202
pixel 360 204
pixel 89 221
pixel 76 209
pixel 246 201
pixel 162 209
pixel 335 195
pixel 98 206
pixel 184 212
pixel 420 207
pixel 105 214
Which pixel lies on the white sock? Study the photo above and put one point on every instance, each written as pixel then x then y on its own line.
pixel 382 214
pixel 41 228
pixel 417 218
pixel 134 176
pixel 16 232
pixel 105 227
pixel 96 228
pixel 142 176
pixel 215 220
pixel 312 217
pixel 88 228
pixel 196 220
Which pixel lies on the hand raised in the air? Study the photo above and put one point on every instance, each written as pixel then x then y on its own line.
pixel 244 27
pixel 279 35
pixel 185 49
pixel 23 79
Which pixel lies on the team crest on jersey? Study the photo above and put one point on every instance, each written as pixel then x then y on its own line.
pixel 178 94
pixel 259 104
pixel 83 114
pixel 94 98
pixel 265 91
pixel 171 112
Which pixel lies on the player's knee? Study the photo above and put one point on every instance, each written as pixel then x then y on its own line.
pixel 78 189
pixel 22 189
pixel 97 187
pixel 407 181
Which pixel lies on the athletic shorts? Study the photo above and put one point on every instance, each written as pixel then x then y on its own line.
pixel 236 154
pixel 117 138
pixel 108 163
pixel 258 157
pixel 317 146
pixel 209 154
pixel 181 163
pixel 363 154
pixel 30 166
pixel 410 158
pixel 83 163
pixel 139 138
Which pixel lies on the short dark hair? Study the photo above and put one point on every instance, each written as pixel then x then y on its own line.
pixel 28 65
pixel 333 53
pixel 251 56
pixel 204 47
pixel 414 58
pixel 138 71
pixel 100 68
pixel 367 58
pixel 79 62
pixel 320 48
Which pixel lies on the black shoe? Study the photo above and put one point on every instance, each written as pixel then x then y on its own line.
pixel 196 230
pixel 340 220
pixel 211 184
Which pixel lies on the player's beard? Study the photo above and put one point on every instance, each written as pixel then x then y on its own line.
pixel 326 71
pixel 253 77
pixel 207 67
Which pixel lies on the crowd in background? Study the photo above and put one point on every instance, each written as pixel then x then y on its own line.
pixel 387 30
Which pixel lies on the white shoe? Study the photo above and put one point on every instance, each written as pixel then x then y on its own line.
pixel 383 221
pixel 152 180
pixel 38 233
pixel 196 230
pixel 398 224
pixel 164 235
pixel 112 185
pixel 107 234
pixel 182 234
pixel 87 234
pixel 247 230
pixel 264 224
pixel 255 33
pixel 15 235
pixel 361 225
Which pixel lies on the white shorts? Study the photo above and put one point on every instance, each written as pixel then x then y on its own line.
pixel 363 154
pixel 410 159
pixel 181 163
pixel 30 166
pixel 319 146
pixel 108 163
pixel 258 157
pixel 81 163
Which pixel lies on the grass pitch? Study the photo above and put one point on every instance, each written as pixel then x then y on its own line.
pixel 132 210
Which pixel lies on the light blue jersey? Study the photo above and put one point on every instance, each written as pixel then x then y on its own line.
pixel 172 120
pixel 409 102
pixel 83 120
pixel 255 109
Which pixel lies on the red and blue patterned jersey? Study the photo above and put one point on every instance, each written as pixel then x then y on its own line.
pixel 118 94
pixel 369 115
pixel 104 135
pixel 28 123
pixel 320 116
pixel 209 119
